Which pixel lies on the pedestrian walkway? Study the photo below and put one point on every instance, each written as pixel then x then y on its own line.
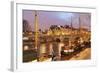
pixel 85 54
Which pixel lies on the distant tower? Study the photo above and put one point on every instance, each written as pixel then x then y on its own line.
pixel 70 42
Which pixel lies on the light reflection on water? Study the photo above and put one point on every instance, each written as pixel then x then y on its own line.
pixel 49 48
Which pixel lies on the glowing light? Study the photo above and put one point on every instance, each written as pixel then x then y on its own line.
pixel 26 47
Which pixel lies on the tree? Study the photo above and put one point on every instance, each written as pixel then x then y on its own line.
pixel 26 26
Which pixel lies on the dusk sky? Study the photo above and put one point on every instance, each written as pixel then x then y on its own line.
pixel 48 18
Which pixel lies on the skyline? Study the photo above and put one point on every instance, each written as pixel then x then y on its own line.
pixel 48 18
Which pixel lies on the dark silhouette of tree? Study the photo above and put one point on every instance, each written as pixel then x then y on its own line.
pixel 26 26
pixel 52 27
pixel 67 26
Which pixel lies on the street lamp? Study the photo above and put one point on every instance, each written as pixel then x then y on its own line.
pixel 36 34
pixel 36 30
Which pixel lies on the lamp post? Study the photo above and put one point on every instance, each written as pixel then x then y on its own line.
pixel 79 25
pixel 36 34
pixel 36 30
